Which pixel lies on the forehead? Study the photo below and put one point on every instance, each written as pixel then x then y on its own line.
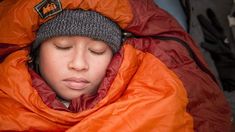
pixel 74 40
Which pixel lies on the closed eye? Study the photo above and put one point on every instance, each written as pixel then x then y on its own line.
pixel 63 48
pixel 97 52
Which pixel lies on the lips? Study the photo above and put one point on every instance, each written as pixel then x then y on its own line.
pixel 76 83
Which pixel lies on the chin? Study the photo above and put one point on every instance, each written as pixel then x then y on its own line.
pixel 70 97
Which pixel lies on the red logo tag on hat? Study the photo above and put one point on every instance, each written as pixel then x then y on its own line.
pixel 48 8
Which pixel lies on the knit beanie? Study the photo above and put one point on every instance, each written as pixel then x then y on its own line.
pixel 82 23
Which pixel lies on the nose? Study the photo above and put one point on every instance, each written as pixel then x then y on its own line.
pixel 78 62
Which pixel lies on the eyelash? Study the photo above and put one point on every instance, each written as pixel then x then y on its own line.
pixel 97 53
pixel 63 48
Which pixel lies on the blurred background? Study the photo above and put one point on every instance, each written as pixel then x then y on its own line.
pixel 212 26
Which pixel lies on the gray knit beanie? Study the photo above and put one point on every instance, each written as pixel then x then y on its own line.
pixel 83 23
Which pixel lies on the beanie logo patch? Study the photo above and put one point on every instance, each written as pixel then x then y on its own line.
pixel 48 8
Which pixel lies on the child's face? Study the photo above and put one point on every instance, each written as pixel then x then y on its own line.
pixel 73 66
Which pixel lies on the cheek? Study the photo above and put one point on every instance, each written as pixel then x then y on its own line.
pixel 47 61
pixel 50 65
pixel 45 65
pixel 99 67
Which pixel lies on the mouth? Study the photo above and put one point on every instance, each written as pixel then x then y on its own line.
pixel 76 83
